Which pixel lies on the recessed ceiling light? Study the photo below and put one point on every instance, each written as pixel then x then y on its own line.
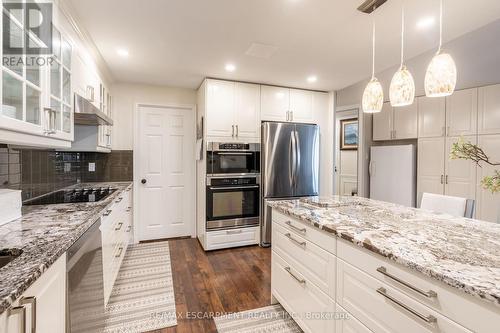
pixel 122 53
pixel 230 67
pixel 425 22
pixel 312 79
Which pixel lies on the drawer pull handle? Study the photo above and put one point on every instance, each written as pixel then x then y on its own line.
pixel 119 226
pixel 234 232
pixel 301 281
pixel 119 199
pixel 120 250
pixel 32 301
pixel 428 319
pixel 107 212
pixel 429 294
pixel 302 230
pixel 19 310
pixel 295 241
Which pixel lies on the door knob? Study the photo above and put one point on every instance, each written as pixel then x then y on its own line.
pixel 144 181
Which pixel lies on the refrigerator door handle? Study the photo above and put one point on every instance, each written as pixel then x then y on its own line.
pixel 297 156
pixel 291 165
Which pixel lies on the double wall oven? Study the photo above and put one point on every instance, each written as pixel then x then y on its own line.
pixel 233 185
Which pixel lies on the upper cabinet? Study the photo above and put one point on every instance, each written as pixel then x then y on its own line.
pixel 431 117
pixel 285 104
pixel 395 123
pixel 461 113
pixel 232 110
pixel 37 99
pixel 489 110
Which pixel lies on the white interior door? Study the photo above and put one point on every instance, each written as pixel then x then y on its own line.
pixel 166 160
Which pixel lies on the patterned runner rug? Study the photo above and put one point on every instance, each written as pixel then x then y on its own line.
pixel 268 319
pixel 143 295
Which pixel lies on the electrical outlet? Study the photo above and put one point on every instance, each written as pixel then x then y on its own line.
pixel 91 167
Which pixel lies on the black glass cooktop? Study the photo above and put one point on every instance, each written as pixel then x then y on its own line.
pixel 72 196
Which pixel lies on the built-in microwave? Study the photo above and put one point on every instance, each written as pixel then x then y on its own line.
pixel 232 202
pixel 233 158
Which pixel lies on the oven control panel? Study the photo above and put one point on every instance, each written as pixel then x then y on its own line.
pixel 234 146
pixel 233 181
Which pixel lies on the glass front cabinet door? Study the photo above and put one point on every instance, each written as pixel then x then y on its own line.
pixel 35 88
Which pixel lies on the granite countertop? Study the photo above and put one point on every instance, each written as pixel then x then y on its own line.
pixel 44 233
pixel 460 252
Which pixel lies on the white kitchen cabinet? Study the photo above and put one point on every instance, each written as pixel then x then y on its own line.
pixel 220 108
pixel 275 103
pixel 395 123
pixel 460 175
pixel 461 113
pixel 382 123
pixel 223 239
pixel 348 323
pixel 301 106
pixel 431 117
pixel 43 303
pixel 247 111
pixel 489 110
pixel 488 204
pixel 431 163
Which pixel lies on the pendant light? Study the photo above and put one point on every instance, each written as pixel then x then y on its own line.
pixel 402 89
pixel 441 75
pixel 373 96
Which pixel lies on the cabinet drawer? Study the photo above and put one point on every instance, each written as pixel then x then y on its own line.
pixel 452 303
pixel 382 308
pixel 311 261
pixel 232 238
pixel 314 235
pixel 350 324
pixel 305 302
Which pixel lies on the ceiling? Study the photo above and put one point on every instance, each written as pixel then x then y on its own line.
pixel 179 42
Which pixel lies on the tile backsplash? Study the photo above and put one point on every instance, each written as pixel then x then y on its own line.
pixel 37 172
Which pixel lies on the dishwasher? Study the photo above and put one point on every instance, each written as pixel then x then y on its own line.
pixel 85 294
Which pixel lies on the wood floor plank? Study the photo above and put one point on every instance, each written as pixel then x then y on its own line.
pixel 222 281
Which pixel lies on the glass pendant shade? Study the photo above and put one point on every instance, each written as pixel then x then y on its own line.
pixel 441 76
pixel 402 90
pixel 373 97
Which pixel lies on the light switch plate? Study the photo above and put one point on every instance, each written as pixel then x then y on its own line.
pixel 91 167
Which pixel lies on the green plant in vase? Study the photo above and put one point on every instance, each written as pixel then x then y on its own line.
pixel 468 151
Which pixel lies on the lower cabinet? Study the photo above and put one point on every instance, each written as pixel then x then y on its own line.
pixel 222 239
pixel 346 323
pixel 42 307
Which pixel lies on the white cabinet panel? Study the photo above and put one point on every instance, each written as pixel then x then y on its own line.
pixel 275 103
pixel 489 110
pixel 406 122
pixel 382 123
pixel 223 239
pixel 247 112
pixel 431 117
pixel 430 166
pixel 488 207
pixel 349 324
pixel 461 113
pixel 220 108
pixel 460 179
pixel 301 107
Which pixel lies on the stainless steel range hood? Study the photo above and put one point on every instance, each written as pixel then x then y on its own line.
pixel 87 114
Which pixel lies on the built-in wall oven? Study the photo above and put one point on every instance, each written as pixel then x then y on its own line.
pixel 233 185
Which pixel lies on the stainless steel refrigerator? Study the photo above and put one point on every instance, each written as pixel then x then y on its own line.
pixel 289 166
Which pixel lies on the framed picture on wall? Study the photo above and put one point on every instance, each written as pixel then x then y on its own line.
pixel 349 134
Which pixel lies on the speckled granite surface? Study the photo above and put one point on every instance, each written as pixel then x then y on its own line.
pixel 44 233
pixel 462 253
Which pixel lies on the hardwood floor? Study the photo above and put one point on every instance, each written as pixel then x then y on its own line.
pixel 208 284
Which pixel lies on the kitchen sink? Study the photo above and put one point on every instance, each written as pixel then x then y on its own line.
pixel 7 255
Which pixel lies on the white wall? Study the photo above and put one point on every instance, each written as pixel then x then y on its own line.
pixel 476 54
pixel 127 96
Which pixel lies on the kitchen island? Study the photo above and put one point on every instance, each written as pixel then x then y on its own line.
pixel 390 267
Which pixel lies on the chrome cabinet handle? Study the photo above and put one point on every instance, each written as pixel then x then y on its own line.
pixel 446 179
pixel 301 230
pixel 107 212
pixel 232 132
pixel 19 310
pixel 442 179
pixel 119 226
pixel 303 244
pixel 32 301
pixel 120 249
pixel 287 115
pixel 301 281
pixel 429 319
pixel 237 131
pixel 233 232
pixel 429 294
